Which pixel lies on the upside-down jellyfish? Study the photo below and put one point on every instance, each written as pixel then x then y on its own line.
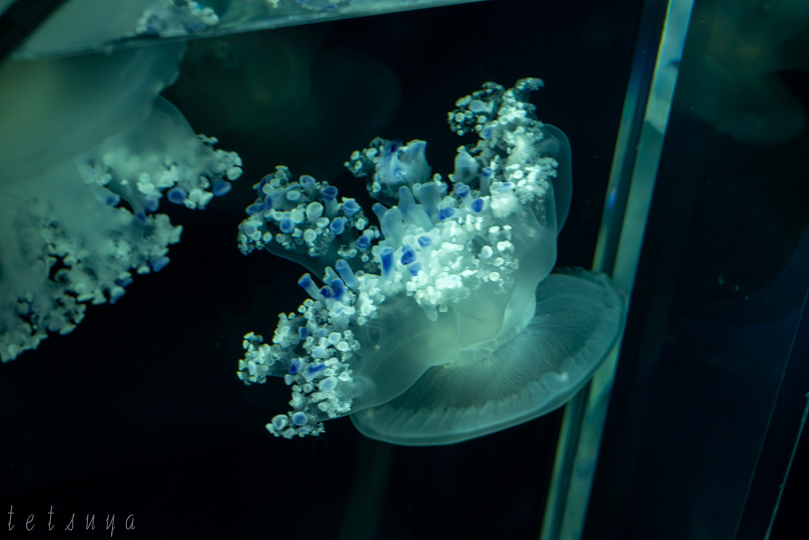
pixel 444 323
pixel 87 148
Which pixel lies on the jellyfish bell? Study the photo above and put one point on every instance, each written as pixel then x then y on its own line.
pixel 555 143
pixel 577 320
pixel 451 326
pixel 54 109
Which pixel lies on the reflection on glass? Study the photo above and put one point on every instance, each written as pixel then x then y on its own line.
pixel 92 25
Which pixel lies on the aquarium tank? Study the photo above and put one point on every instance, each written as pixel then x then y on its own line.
pixel 394 269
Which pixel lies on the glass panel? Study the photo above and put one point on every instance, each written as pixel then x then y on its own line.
pixel 91 25
pixel 646 109
pixel 690 448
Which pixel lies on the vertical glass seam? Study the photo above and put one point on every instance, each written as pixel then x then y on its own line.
pixel 663 27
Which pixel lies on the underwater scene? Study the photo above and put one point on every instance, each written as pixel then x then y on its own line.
pixel 393 269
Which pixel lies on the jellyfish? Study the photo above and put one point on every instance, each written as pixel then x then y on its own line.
pixel 87 150
pixel 734 66
pixel 444 322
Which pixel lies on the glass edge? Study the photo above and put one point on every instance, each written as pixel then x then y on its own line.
pixel 225 28
pixel 629 192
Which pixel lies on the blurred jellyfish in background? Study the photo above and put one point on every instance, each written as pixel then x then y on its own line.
pixel 740 117
pixel 444 323
pixel 737 54
pixel 89 148
pixel 87 151
pixel 254 78
pixel 281 93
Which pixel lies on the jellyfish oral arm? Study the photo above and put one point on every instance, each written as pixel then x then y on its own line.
pixel 87 150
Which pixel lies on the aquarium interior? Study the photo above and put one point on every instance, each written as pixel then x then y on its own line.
pixel 688 189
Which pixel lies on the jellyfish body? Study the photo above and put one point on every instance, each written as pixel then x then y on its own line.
pixel 449 327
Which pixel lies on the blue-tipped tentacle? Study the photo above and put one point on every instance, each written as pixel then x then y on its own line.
pixel 344 269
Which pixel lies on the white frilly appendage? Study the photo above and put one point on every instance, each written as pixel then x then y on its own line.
pixel 448 278
pixel 172 18
pixel 77 215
